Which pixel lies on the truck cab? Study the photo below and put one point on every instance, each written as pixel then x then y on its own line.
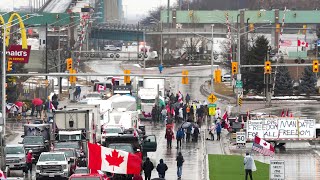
pixel 35 143
pixel 15 156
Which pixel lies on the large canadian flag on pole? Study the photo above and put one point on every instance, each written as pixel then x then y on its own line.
pixel 262 147
pixel 303 43
pixel 112 160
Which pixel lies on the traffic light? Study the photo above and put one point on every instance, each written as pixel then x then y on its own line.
pixel 278 27
pixel 267 67
pixel 315 66
pixel 234 67
pixel 304 31
pixel 185 80
pixel 9 68
pixel 69 64
pixel 251 27
pixel 127 78
pixel 72 79
pixel 217 76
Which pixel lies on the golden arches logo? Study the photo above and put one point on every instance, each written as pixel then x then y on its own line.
pixel 8 29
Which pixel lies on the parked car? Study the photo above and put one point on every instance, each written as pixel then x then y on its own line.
pixel 110 130
pixel 226 77
pixel 52 165
pixel 111 48
pixel 15 157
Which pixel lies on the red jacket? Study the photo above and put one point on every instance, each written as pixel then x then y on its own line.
pixel 29 158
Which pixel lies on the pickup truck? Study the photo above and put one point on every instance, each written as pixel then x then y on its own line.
pixel 71 156
pixel 51 165
pixel 15 157
pixel 35 143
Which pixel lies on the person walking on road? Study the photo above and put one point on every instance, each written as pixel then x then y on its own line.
pixel 180 136
pixel 218 129
pixel 212 131
pixel 248 164
pixel 147 168
pixel 180 162
pixel 29 162
pixel 187 98
pixel 189 129
pixel 169 137
pixel 162 168
pixel 196 133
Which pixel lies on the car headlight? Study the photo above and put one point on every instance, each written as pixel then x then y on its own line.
pixel 108 94
pixel 64 166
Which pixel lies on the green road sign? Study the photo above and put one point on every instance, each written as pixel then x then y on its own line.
pixel 238 84
pixel 212 105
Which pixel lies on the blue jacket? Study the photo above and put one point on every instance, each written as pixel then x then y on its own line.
pixel 218 128
pixel 180 134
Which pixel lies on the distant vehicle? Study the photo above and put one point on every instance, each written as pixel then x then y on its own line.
pixel 15 156
pixel 51 165
pixel 226 77
pixel 110 130
pixel 111 48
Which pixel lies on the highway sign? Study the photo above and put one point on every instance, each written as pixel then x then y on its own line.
pixel 238 84
pixel 212 98
pixel 277 170
pixel 212 105
pixel 241 138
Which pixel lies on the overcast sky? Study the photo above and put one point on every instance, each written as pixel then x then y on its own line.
pixel 134 9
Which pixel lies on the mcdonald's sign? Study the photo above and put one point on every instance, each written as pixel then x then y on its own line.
pixel 16 53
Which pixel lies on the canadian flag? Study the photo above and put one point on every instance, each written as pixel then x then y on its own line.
pixel 262 147
pixel 303 43
pixel 112 160
pixel 225 115
pixel 2 176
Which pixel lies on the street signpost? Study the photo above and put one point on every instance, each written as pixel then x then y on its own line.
pixel 277 170
pixel 212 109
pixel 212 98
pixel 241 138
pixel 239 84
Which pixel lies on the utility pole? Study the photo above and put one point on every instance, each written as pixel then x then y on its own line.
pixel 3 88
pixel 161 41
pixel 46 94
pixel 144 50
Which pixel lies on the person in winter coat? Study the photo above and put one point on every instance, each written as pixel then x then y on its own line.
pixel 187 98
pixel 248 163
pixel 147 168
pixel 180 162
pixel 153 113
pixel 196 133
pixel 218 130
pixel 189 129
pixel 38 110
pixel 212 131
pixel 179 136
pixel 162 168
pixel 169 137
pixel 180 114
pixel 29 161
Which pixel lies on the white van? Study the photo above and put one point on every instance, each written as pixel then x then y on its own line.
pixel 226 77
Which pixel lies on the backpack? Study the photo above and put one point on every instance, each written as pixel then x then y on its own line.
pixel 179 134
pixel 188 109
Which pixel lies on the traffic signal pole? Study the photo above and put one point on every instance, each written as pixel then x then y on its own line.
pixel 3 88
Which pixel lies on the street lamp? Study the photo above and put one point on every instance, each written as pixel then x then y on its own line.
pixel 161 38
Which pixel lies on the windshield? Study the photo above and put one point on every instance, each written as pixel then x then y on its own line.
pixel 85 178
pixel 123 147
pixel 67 145
pixel 14 150
pixel 52 157
pixel 81 171
pixel 70 137
pixel 33 140
pixel 147 100
pixel 68 153
pixel 113 130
